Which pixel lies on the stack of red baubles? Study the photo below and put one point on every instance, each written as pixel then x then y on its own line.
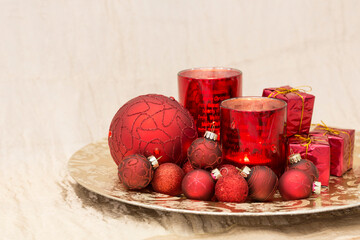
pixel 154 142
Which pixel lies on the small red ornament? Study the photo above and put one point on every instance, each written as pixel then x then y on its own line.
pixel 187 167
pixel 167 179
pixel 262 182
pixel 303 164
pixel 198 184
pixel 152 125
pixel 136 172
pixel 226 169
pixel 231 188
pixel 296 184
pixel 205 152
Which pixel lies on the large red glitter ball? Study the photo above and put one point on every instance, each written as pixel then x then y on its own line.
pixel 152 125
pixel 231 188
pixel 135 172
pixel 167 179
pixel 204 153
pixel 262 183
pixel 187 167
pixel 308 167
pixel 226 169
pixel 198 184
pixel 295 184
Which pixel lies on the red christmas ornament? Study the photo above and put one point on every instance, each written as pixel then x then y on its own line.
pixel 296 184
pixel 167 179
pixel 152 125
pixel 303 164
pixel 226 169
pixel 187 167
pixel 198 184
pixel 136 172
pixel 262 182
pixel 231 188
pixel 205 152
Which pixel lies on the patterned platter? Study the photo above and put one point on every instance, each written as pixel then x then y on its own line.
pixel 93 168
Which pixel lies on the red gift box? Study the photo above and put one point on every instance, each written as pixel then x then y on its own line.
pixel 316 149
pixel 342 147
pixel 299 107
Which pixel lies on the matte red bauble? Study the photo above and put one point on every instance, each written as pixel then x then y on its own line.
pixel 167 179
pixel 135 172
pixel 187 167
pixel 226 169
pixel 198 184
pixel 231 188
pixel 204 153
pixel 262 183
pixel 295 184
pixel 152 125
pixel 296 162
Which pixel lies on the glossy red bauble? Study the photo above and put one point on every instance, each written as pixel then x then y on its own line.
pixel 135 172
pixel 295 184
pixel 307 166
pixel 152 125
pixel 231 188
pixel 167 179
pixel 262 183
pixel 198 184
pixel 204 153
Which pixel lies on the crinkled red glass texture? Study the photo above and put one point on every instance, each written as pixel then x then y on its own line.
pixel 253 131
pixel 201 91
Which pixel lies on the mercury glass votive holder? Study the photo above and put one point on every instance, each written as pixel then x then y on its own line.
pixel 253 132
pixel 201 91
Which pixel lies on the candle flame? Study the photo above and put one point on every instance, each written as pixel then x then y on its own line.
pixel 246 159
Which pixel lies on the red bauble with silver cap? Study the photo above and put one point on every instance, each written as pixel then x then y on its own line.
pixel 199 184
pixel 262 182
pixel 231 188
pixel 296 162
pixel 136 171
pixel 205 152
pixel 167 179
pixel 296 184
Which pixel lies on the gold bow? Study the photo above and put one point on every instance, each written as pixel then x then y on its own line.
pixel 307 141
pixel 334 131
pixel 285 91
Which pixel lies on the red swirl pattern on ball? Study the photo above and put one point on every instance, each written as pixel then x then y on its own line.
pixel 151 125
pixel 135 172
pixel 262 183
pixel 205 153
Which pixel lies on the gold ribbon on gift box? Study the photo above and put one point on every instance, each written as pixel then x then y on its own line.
pixel 334 131
pixel 307 141
pixel 285 91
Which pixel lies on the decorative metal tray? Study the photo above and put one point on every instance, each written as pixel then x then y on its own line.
pixel 93 168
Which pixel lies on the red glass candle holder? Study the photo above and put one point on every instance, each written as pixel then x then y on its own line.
pixel 201 91
pixel 253 132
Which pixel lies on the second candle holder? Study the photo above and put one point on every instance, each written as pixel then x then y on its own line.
pixel 253 132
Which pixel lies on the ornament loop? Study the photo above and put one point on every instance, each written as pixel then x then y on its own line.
pixel 245 171
pixel 294 158
pixel 211 135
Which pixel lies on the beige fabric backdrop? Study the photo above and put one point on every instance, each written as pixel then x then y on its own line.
pixel 67 66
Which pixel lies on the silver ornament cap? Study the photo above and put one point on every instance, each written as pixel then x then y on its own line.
pixel 215 173
pixel 294 158
pixel 210 135
pixel 154 161
pixel 316 188
pixel 245 171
